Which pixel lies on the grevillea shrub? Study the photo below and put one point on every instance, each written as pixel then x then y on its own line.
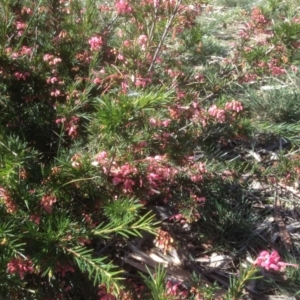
pixel 103 117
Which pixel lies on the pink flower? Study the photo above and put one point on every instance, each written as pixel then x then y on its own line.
pixel 276 71
pixel 213 110
pixel 47 202
pixel 153 122
pixel 196 178
pixel 11 207
pixel 124 87
pixel 180 94
pixel 60 120
pixel 234 105
pixel 26 50
pixel 35 218
pixel 20 26
pixel 128 184
pixel 126 43
pixel 219 114
pixel 72 132
pixel 70 126
pixel 142 82
pixel 202 167
pixel 20 266
pixel 176 289
pixel 294 68
pixel 258 17
pixel 166 123
pixel 95 43
pixel 55 61
pixel 55 93
pixel 142 40
pixel 120 56
pixel 177 217
pixel 153 176
pixel 21 76
pixel 101 156
pixel 200 199
pixel 26 10
pixel 47 57
pixel 271 261
pixel 123 7
pixel 51 80
pixel 97 81
pixel 116 180
pixel 200 78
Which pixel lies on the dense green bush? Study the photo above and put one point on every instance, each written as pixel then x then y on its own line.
pixel 104 114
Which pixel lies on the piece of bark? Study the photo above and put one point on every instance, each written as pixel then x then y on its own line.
pixel 283 232
pixel 143 262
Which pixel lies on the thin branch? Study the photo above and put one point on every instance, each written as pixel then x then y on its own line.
pixel 168 25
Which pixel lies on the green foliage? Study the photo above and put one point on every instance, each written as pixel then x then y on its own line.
pixel 97 269
pixel 237 284
pixel 123 225
pixel 236 3
pixel 122 212
pixel 232 220
pixel 276 106
pixel 156 283
pixel 114 115
pixel 287 32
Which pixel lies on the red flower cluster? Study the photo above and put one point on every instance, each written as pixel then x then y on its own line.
pixel 95 43
pixel 271 261
pixel 20 266
pixel 47 202
pixel 122 175
pixel 123 7
pixel 11 207
pixel 176 289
